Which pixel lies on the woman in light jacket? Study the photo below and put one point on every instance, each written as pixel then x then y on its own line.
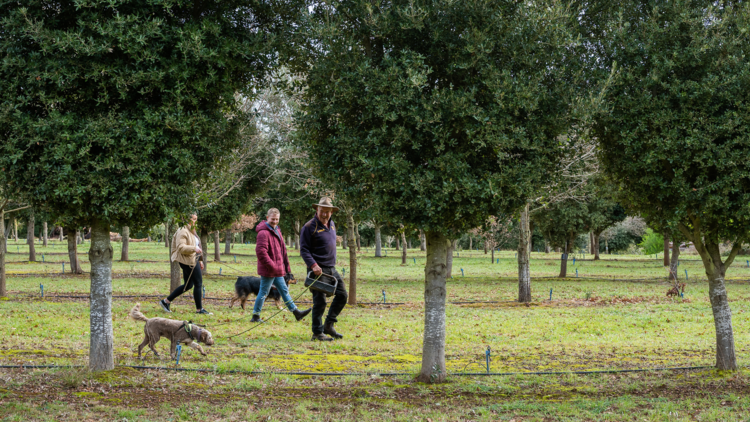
pixel 273 265
pixel 186 247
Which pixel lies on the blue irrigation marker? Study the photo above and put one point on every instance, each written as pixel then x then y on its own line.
pixel 415 260
pixel 344 271
pixel 383 296
pixel 63 268
pixel 574 261
pixel 179 352
pixel 497 261
pixel 219 270
pixel 686 276
pixel 487 358
pixel 235 259
pixel 41 288
pixel 462 272
pixel 550 295
pixel 204 292
pixel 457 254
pixel 748 263
pixel 576 272
pixel 42 258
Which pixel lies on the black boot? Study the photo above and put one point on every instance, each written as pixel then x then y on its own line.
pixel 300 314
pixel 256 318
pixel 328 329
pixel 321 337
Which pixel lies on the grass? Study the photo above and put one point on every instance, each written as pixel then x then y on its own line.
pixel 615 315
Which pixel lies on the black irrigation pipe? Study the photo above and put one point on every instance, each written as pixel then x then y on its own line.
pixel 383 374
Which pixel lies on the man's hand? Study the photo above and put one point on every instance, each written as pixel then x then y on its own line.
pixel 317 270
pixel 201 262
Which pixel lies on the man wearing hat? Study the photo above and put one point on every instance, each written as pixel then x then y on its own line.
pixel 318 250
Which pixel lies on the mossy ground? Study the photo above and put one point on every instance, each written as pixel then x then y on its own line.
pixel 592 323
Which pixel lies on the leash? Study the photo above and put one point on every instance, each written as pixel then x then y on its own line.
pixel 269 318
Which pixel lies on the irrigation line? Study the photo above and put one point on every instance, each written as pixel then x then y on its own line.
pixel 381 374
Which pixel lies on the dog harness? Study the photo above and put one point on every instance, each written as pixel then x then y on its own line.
pixel 193 330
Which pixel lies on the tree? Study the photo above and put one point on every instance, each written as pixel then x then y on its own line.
pixel 441 113
pixel 675 136
pixel 125 244
pixel 561 224
pixel 110 110
pixel 603 214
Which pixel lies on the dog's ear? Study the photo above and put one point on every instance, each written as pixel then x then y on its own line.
pixel 204 336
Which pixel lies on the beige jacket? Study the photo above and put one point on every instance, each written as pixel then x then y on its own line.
pixel 183 247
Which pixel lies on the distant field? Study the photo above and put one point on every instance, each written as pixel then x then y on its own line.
pixel 615 315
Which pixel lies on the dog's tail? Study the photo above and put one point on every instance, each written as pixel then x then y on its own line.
pixel 136 314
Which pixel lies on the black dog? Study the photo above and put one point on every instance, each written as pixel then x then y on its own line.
pixel 247 285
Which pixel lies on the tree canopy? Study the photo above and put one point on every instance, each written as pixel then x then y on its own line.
pixel 442 113
pixel 675 134
pixel 110 110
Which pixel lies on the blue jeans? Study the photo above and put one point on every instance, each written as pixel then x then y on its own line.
pixel 265 287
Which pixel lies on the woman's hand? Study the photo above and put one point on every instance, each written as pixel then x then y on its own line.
pixel 201 263
pixel 198 250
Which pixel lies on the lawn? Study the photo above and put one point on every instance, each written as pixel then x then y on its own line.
pixel 613 316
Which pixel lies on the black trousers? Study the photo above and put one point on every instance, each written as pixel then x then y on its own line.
pixel 319 302
pixel 194 281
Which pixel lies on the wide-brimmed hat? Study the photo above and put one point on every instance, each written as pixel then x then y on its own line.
pixel 325 202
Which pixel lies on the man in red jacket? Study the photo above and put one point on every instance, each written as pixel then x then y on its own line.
pixel 273 264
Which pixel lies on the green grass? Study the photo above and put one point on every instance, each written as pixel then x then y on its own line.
pixel 614 316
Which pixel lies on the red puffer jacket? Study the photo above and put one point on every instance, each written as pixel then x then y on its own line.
pixel 271 251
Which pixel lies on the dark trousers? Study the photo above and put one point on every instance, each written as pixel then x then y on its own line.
pixel 319 301
pixel 194 281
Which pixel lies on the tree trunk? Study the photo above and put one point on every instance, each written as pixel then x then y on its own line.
pixel 15 230
pixel 242 238
pixel 471 243
pixel 3 290
pixel 435 274
pixel 448 259
pixel 75 264
pixel 125 243
pixel 352 260
pixel 591 243
pixel 422 241
pixel 564 259
pixel 485 246
pixel 167 239
pixel 596 245
pixel 666 248
pixel 546 246
pixel 404 248
pixel 725 355
pixel 398 243
pixel 217 255
pixel 674 260
pixel 227 242
pixel 297 228
pixel 359 238
pixel 378 242
pixel 62 235
pixel 174 266
pixel 44 234
pixel 524 272
pixel 101 346
pixel 204 243
pixel 344 243
pixel 30 237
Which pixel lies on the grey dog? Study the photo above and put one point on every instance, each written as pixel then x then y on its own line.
pixel 174 330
